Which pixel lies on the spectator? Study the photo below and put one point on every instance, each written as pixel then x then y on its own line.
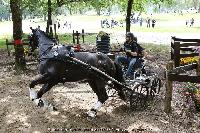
pixel 186 22
pixel 121 23
pixel 112 23
pixel 153 23
pixel 141 21
pixel 192 22
pixel 148 22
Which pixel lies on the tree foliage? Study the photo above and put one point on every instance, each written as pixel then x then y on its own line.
pixel 4 10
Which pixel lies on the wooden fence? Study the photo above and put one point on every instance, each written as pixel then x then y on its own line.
pixel 12 43
pixel 76 37
pixel 179 74
pixel 182 48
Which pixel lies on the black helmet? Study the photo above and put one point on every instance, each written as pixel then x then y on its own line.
pixel 129 34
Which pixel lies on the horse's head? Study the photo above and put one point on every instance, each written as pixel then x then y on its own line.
pixel 38 37
pixel 33 40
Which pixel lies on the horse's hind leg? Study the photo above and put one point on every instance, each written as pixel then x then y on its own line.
pixel 98 86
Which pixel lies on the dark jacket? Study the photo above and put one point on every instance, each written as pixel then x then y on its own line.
pixel 134 47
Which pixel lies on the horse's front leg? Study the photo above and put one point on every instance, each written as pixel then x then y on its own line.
pixel 41 102
pixel 41 80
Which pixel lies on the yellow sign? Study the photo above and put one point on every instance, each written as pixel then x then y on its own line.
pixel 189 60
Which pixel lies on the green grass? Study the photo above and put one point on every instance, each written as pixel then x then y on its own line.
pixel 68 39
pixel 9 37
pixel 162 20
pixel 2 43
pixel 157 49
pixel 63 38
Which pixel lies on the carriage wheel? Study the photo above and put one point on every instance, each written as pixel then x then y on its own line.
pixel 155 87
pixel 138 99
pixel 142 88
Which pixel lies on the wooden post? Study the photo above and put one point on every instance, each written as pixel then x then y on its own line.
pixel 177 54
pixel 169 88
pixel 77 35
pixel 55 32
pixel 73 37
pixel 83 36
pixel 172 48
pixel 51 32
pixel 7 47
pixel 198 67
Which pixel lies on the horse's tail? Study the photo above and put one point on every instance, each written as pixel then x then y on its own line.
pixel 119 77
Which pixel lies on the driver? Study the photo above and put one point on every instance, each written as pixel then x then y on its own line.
pixel 133 52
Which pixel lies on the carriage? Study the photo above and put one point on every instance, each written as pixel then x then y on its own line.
pixel 144 83
pixel 59 64
pixel 142 86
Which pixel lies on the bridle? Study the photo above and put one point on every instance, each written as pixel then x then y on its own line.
pixel 44 52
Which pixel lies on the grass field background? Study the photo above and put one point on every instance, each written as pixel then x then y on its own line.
pixel 166 23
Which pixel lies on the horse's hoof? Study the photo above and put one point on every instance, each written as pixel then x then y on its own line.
pixel 55 109
pixel 52 108
pixel 92 114
pixel 36 101
pixel 39 102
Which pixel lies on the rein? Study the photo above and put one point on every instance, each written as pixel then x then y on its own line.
pixel 45 52
pixel 92 69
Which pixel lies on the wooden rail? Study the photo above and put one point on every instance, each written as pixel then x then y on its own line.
pixel 179 45
pixel 24 42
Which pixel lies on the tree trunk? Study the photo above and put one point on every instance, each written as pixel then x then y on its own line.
pixel 49 29
pixel 15 6
pixel 45 17
pixel 199 8
pixel 81 11
pixel 128 15
pixel 98 10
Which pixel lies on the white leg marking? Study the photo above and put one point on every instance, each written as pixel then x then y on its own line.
pixel 91 114
pixel 97 107
pixel 33 97
pixel 36 101
pixel 32 93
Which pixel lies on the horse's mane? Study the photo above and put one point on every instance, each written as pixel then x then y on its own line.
pixel 41 31
pixel 45 35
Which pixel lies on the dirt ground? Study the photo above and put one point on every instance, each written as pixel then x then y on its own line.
pixel 73 100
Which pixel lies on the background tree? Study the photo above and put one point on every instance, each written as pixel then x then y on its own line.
pixel 15 6
pixel 99 5
pixel 136 5
pixel 128 15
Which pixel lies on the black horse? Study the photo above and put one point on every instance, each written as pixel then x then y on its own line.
pixel 56 70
